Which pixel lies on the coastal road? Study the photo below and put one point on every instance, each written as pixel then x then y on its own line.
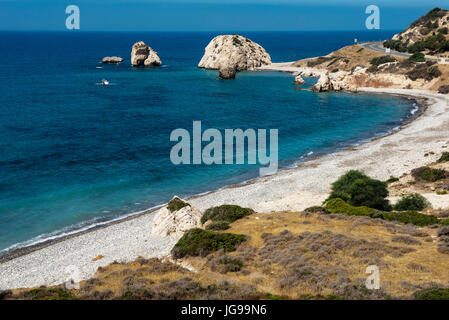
pixel 379 47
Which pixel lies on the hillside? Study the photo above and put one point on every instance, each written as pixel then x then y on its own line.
pixel 428 34
pixel 320 253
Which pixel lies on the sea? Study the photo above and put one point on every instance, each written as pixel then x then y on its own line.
pixel 75 154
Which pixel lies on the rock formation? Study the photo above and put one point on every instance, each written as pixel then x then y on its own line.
pixel 299 80
pixel 234 52
pixel 114 60
pixel 144 56
pixel 227 72
pixel 174 224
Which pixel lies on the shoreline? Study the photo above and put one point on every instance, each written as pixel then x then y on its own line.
pixel 290 189
pixel 10 254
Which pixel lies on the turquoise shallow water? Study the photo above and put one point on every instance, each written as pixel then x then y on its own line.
pixel 73 153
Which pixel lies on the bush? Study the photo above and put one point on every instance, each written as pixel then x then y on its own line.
pixel 339 206
pixel 412 202
pixel 218 225
pixel 427 71
pixel 358 189
pixel 391 180
pixel 381 60
pixel 176 204
pixel 444 157
pixel 428 174
pixel 225 264
pixel 370 193
pixel 432 294
pixel 412 217
pixel 443 30
pixel 199 242
pixel 443 89
pixel 316 209
pixel 417 57
pixel 228 213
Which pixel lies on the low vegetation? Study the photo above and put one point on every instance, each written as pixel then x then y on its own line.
pixel 417 57
pixel 429 174
pixel 412 202
pixel 444 157
pixel 199 242
pixel 419 219
pixel 358 189
pixel 227 213
pixel 176 204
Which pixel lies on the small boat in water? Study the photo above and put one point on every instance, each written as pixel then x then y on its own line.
pixel 104 82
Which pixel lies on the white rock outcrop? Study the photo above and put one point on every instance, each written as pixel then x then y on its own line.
pixel 114 59
pixel 299 80
pixel 324 83
pixel 144 56
pixel 234 51
pixel 174 224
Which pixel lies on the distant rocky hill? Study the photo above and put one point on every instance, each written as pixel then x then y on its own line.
pixel 429 34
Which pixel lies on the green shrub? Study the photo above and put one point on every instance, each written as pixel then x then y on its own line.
pixel 443 30
pixel 417 57
pixel 381 60
pixel 360 50
pixel 316 209
pixel 428 174
pixel 391 180
pixel 369 193
pixel 444 157
pixel 339 206
pixel 199 242
pixel 226 212
pixel 440 193
pixel 218 225
pixel 412 217
pixel 412 202
pixel 269 296
pixel 176 204
pixel 432 294
pixel 335 70
pixel 358 189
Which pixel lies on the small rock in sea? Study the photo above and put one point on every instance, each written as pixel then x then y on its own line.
pixel 299 80
pixel 227 72
pixel 110 60
pixel 144 56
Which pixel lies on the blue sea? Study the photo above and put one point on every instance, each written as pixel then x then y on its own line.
pixel 74 153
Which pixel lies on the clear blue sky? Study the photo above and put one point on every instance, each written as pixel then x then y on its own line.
pixel 211 15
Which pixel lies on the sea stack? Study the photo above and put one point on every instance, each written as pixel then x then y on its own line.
pixel 144 56
pixel 233 52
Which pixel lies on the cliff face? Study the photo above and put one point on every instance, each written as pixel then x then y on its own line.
pixel 234 52
pixel 144 56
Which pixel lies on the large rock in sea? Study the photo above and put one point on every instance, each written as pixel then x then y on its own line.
pixel 234 52
pixel 144 56
pixel 167 223
pixel 114 60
